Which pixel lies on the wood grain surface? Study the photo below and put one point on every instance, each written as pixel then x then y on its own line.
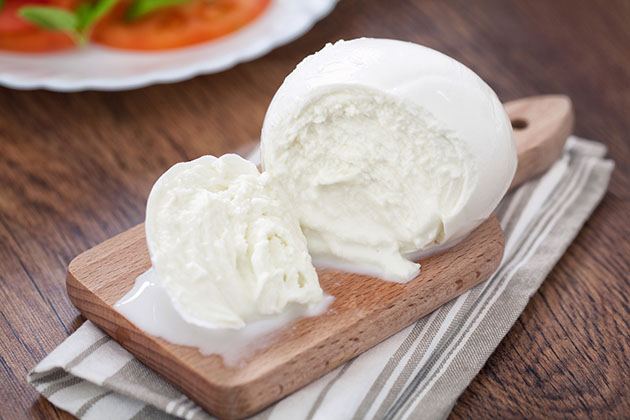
pixel 365 311
pixel 541 125
pixel 76 169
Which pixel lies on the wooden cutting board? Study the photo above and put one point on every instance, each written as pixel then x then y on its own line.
pixel 365 311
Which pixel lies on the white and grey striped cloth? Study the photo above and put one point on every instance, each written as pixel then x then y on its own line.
pixel 417 373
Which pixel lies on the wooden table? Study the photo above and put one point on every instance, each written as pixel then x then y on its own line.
pixel 76 169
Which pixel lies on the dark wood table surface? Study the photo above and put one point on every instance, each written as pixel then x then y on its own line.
pixel 76 169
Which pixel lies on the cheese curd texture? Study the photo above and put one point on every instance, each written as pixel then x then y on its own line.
pixel 387 150
pixel 225 244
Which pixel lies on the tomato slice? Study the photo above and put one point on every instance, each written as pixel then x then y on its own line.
pixel 190 23
pixel 10 21
pixel 16 34
pixel 35 41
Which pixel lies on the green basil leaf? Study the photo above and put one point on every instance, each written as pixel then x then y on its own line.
pixel 82 12
pixel 89 14
pixel 140 8
pixel 1 4
pixel 48 17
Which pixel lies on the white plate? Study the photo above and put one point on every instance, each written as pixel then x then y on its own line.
pixel 100 68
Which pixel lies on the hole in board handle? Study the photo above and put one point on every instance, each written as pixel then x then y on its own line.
pixel 519 124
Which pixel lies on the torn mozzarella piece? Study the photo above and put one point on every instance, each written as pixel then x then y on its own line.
pixel 225 245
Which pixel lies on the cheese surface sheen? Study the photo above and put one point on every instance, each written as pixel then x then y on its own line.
pixel 386 150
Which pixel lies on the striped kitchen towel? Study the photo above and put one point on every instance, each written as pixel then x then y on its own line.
pixel 417 373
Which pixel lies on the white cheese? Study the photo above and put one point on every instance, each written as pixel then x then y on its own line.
pixel 225 245
pixel 386 150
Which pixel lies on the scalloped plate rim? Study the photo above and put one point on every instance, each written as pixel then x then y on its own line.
pixel 311 12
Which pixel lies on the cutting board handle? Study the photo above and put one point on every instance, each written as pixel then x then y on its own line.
pixel 541 127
